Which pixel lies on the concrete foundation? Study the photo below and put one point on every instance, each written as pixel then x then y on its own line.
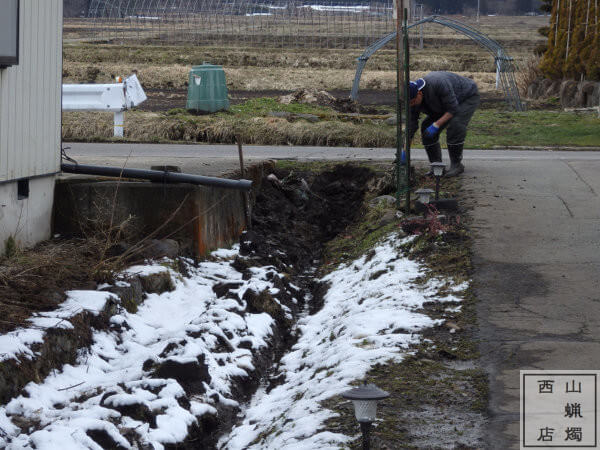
pixel 26 218
pixel 201 218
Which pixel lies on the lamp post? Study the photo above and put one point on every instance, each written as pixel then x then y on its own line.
pixel 365 400
pixel 438 170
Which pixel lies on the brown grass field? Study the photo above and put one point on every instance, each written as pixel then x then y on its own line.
pixel 254 72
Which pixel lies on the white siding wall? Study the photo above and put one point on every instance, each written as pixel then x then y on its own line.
pixel 30 95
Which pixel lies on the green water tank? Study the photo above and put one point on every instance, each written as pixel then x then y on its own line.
pixel 207 90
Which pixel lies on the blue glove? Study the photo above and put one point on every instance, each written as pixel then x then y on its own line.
pixel 432 131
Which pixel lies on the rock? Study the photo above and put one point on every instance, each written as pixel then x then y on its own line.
pixel 553 90
pixel 384 200
pixel 533 90
pixel 596 95
pixel 157 283
pixel 189 375
pixel 263 302
pixel 453 327
pixel 281 115
pixel 165 248
pixel 388 217
pixel 309 117
pixel 568 93
pixel 273 179
pixel 585 95
pixel 391 120
pixel 131 296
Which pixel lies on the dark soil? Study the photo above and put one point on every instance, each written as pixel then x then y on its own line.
pixel 164 100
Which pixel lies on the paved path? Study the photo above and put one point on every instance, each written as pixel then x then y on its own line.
pixel 537 261
pixel 218 159
pixel 536 220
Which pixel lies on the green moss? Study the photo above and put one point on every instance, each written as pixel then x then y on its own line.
pixel 10 247
pixel 130 305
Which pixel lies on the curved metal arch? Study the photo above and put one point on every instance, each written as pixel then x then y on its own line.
pixel 504 62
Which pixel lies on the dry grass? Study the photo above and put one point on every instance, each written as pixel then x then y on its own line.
pixel 528 73
pixel 156 127
pixel 255 78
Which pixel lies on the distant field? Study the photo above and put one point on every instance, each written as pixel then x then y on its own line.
pixel 254 72
pixel 251 68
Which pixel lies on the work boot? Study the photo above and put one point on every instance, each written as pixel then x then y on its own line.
pixel 456 167
pixel 434 153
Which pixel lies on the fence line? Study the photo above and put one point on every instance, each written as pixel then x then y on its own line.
pixel 272 23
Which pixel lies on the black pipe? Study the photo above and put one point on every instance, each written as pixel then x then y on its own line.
pixel 157 175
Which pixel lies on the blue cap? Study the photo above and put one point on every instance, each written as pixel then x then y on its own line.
pixel 415 87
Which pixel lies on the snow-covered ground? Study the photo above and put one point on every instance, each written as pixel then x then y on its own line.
pixel 369 316
pixel 187 326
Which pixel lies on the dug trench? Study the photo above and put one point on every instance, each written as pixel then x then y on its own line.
pixel 305 220
pixel 295 214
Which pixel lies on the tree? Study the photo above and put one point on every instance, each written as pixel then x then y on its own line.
pixel 573 40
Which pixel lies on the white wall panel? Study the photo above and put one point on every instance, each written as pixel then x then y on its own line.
pixel 30 95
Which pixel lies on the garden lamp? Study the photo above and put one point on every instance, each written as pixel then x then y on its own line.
pixel 424 195
pixel 365 400
pixel 438 170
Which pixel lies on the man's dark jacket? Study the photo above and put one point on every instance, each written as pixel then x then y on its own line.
pixel 443 92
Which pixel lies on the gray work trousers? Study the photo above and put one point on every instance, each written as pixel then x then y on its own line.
pixel 456 127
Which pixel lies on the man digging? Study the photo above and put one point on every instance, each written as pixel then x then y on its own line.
pixel 449 101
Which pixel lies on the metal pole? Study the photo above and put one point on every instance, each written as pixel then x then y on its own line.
pixel 245 197
pixel 398 4
pixel 421 29
pixel 407 106
pixel 365 427
pixel 478 4
pixel 498 69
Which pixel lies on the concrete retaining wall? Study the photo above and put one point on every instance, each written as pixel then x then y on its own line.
pixel 27 220
pixel 201 218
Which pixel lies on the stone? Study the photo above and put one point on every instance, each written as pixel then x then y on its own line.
pixel 452 326
pixel 388 217
pixel 157 283
pixel 263 302
pixel 131 296
pixel 553 89
pixel 391 120
pixel 385 200
pixel 281 114
pixel 568 93
pixel 164 248
pixel 585 94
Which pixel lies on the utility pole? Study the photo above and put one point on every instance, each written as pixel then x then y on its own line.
pixel 421 29
pixel 478 5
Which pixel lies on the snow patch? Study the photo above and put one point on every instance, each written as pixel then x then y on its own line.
pixel 363 321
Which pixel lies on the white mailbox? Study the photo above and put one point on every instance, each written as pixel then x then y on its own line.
pixel 9 33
